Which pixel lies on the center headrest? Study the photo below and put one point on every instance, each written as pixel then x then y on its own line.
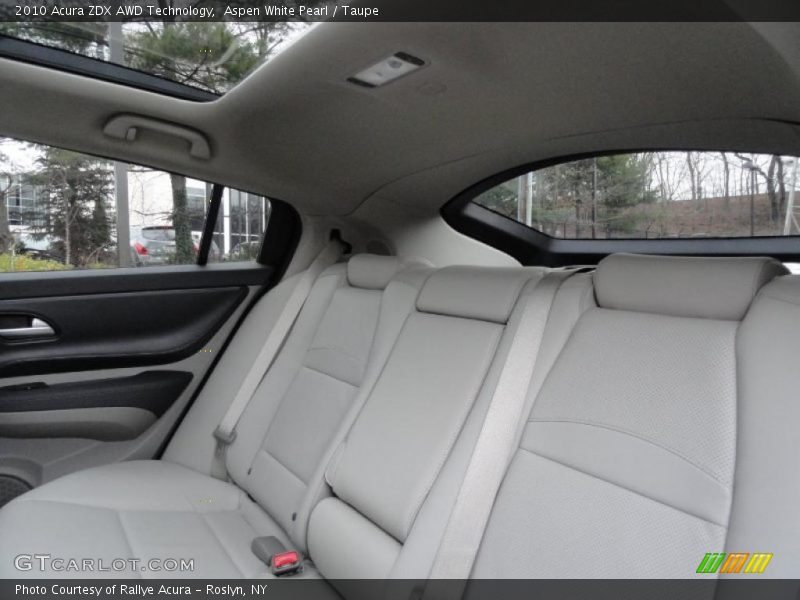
pixel 485 293
pixel 711 288
pixel 371 271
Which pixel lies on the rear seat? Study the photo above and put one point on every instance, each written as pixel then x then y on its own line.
pixel 164 508
pixel 626 465
pixel 764 515
pixel 387 477
pixel 663 383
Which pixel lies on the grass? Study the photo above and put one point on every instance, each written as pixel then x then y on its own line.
pixel 21 262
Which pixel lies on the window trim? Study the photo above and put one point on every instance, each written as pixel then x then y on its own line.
pixel 532 247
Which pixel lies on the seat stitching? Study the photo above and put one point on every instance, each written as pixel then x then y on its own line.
pixel 279 401
pixel 677 453
pixel 288 470
pixel 358 361
pixel 622 487
pixel 340 380
pixel 362 394
pixel 143 510
pixel 265 439
pixel 772 296
pixel 125 536
pixel 335 348
pixel 283 399
pixel 453 438
pixel 219 541
pixel 119 515
pixel 631 434
pixel 754 287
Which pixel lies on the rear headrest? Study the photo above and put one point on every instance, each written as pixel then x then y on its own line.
pixel 485 293
pixel 371 271
pixel 711 288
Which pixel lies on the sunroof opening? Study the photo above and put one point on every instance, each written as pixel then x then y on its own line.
pixel 208 56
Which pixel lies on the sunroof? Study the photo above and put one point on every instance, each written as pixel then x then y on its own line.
pixel 208 56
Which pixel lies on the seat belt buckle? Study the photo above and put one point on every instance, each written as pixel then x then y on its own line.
pixel 274 554
pixel 225 438
pixel 286 563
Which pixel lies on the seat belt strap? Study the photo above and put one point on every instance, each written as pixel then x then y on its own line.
pixel 225 432
pixel 493 450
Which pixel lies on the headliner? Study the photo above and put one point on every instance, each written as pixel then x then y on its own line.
pixel 493 96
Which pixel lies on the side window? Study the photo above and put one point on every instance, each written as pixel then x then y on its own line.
pixel 647 195
pixel 240 226
pixel 61 209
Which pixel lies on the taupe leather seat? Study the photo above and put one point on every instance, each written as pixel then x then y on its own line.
pixel 642 451
pixel 173 507
pixel 666 419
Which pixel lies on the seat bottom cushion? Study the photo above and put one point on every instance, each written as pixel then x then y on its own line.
pixel 141 510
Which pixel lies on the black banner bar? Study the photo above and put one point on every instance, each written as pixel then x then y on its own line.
pixel 291 588
pixel 401 10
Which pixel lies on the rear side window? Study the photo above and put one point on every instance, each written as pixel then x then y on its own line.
pixel 655 195
pixel 63 210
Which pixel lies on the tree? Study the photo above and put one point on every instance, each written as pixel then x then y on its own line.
pixel 781 186
pixel 85 38
pixel 775 202
pixel 6 181
pixel 691 164
pixel 89 39
pixel 211 56
pixel 776 187
pixel 669 174
pixel 501 199
pixel 99 229
pixel 76 188
pixel 624 183
pixel 726 175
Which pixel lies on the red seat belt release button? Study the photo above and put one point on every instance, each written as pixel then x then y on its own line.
pixel 286 563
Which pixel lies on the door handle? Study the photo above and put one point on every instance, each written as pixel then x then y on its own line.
pixel 38 328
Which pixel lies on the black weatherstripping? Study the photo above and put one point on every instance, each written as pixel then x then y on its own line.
pixel 154 391
pixel 41 284
pixel 211 221
pixel 70 62
pixel 281 237
pixel 102 331
pixel 531 247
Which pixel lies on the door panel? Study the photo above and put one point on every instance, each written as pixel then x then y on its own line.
pixel 118 408
pixel 130 350
pixel 100 360
pixel 102 331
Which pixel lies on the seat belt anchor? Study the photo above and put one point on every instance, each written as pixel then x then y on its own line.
pixel 225 438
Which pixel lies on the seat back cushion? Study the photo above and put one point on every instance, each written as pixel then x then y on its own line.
pixel 631 443
pixel 766 493
pixel 409 424
pixel 297 409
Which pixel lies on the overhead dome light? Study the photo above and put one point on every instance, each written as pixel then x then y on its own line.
pixel 389 69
